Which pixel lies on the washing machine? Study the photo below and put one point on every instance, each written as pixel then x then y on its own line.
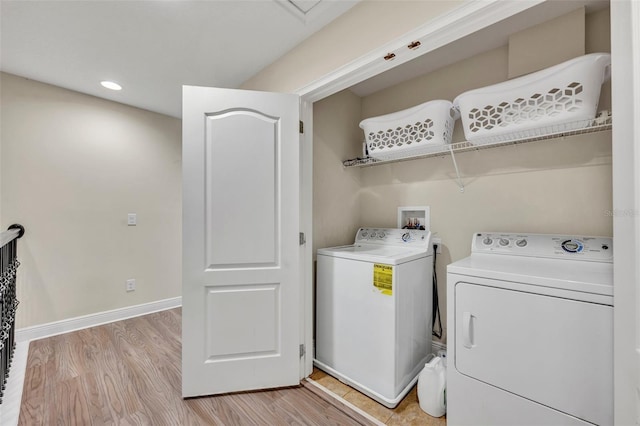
pixel 373 311
pixel 530 324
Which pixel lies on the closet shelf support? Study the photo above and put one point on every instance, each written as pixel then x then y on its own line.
pixel 455 165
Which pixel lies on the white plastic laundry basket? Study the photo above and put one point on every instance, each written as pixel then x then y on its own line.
pixel 558 98
pixel 411 132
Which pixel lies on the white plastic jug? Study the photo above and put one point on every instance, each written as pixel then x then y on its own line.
pixel 431 388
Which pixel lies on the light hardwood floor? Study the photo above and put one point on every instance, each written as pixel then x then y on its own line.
pixel 129 373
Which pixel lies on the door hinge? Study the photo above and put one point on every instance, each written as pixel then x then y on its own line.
pixel 303 239
pixel 303 350
pixel 301 127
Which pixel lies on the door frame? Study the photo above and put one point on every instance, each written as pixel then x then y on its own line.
pixel 625 93
pixel 469 17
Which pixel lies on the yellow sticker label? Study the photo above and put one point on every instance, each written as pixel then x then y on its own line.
pixel 383 278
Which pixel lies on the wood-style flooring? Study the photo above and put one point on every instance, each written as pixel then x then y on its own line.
pixel 129 373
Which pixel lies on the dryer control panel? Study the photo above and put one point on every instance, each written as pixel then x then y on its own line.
pixel 596 249
pixel 394 237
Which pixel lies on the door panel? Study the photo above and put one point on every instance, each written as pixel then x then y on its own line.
pixel 241 288
pixel 237 232
pixel 253 331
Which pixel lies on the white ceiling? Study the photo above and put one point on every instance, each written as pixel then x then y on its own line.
pixel 152 48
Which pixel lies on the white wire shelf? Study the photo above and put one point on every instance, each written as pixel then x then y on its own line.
pixel 599 124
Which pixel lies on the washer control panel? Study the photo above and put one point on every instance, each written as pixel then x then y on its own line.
pixel 393 236
pixel 597 249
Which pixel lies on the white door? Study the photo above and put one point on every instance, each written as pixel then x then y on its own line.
pixel 241 282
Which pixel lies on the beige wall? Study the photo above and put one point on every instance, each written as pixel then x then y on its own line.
pixel 335 189
pixel 537 47
pixel 364 28
pixel 558 186
pixel 561 186
pixel 73 166
pixel 445 83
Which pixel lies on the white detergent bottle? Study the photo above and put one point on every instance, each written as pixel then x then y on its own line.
pixel 431 388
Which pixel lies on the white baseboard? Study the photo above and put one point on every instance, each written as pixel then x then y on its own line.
pixel 72 324
pixel 438 346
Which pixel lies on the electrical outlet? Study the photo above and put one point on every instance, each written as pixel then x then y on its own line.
pixel 132 219
pixel 438 243
pixel 131 284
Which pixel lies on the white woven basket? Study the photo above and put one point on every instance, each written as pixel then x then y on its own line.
pixel 558 98
pixel 411 132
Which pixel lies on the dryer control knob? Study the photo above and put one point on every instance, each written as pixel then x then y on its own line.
pixel 504 242
pixel 487 241
pixel 406 237
pixel 521 243
pixel 381 235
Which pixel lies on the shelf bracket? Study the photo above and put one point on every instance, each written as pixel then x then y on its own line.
pixel 455 165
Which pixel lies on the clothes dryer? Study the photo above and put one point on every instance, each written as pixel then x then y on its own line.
pixel 530 331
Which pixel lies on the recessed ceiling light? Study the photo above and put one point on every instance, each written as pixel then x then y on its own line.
pixel 111 85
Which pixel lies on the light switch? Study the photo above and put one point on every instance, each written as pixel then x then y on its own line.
pixel 132 219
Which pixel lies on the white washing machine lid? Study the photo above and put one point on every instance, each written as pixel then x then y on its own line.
pixel 390 255
pixel 390 246
pixel 574 275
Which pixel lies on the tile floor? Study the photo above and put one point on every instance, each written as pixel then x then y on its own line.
pixel 408 412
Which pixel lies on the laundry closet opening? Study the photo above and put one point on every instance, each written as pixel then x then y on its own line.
pixel 559 185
